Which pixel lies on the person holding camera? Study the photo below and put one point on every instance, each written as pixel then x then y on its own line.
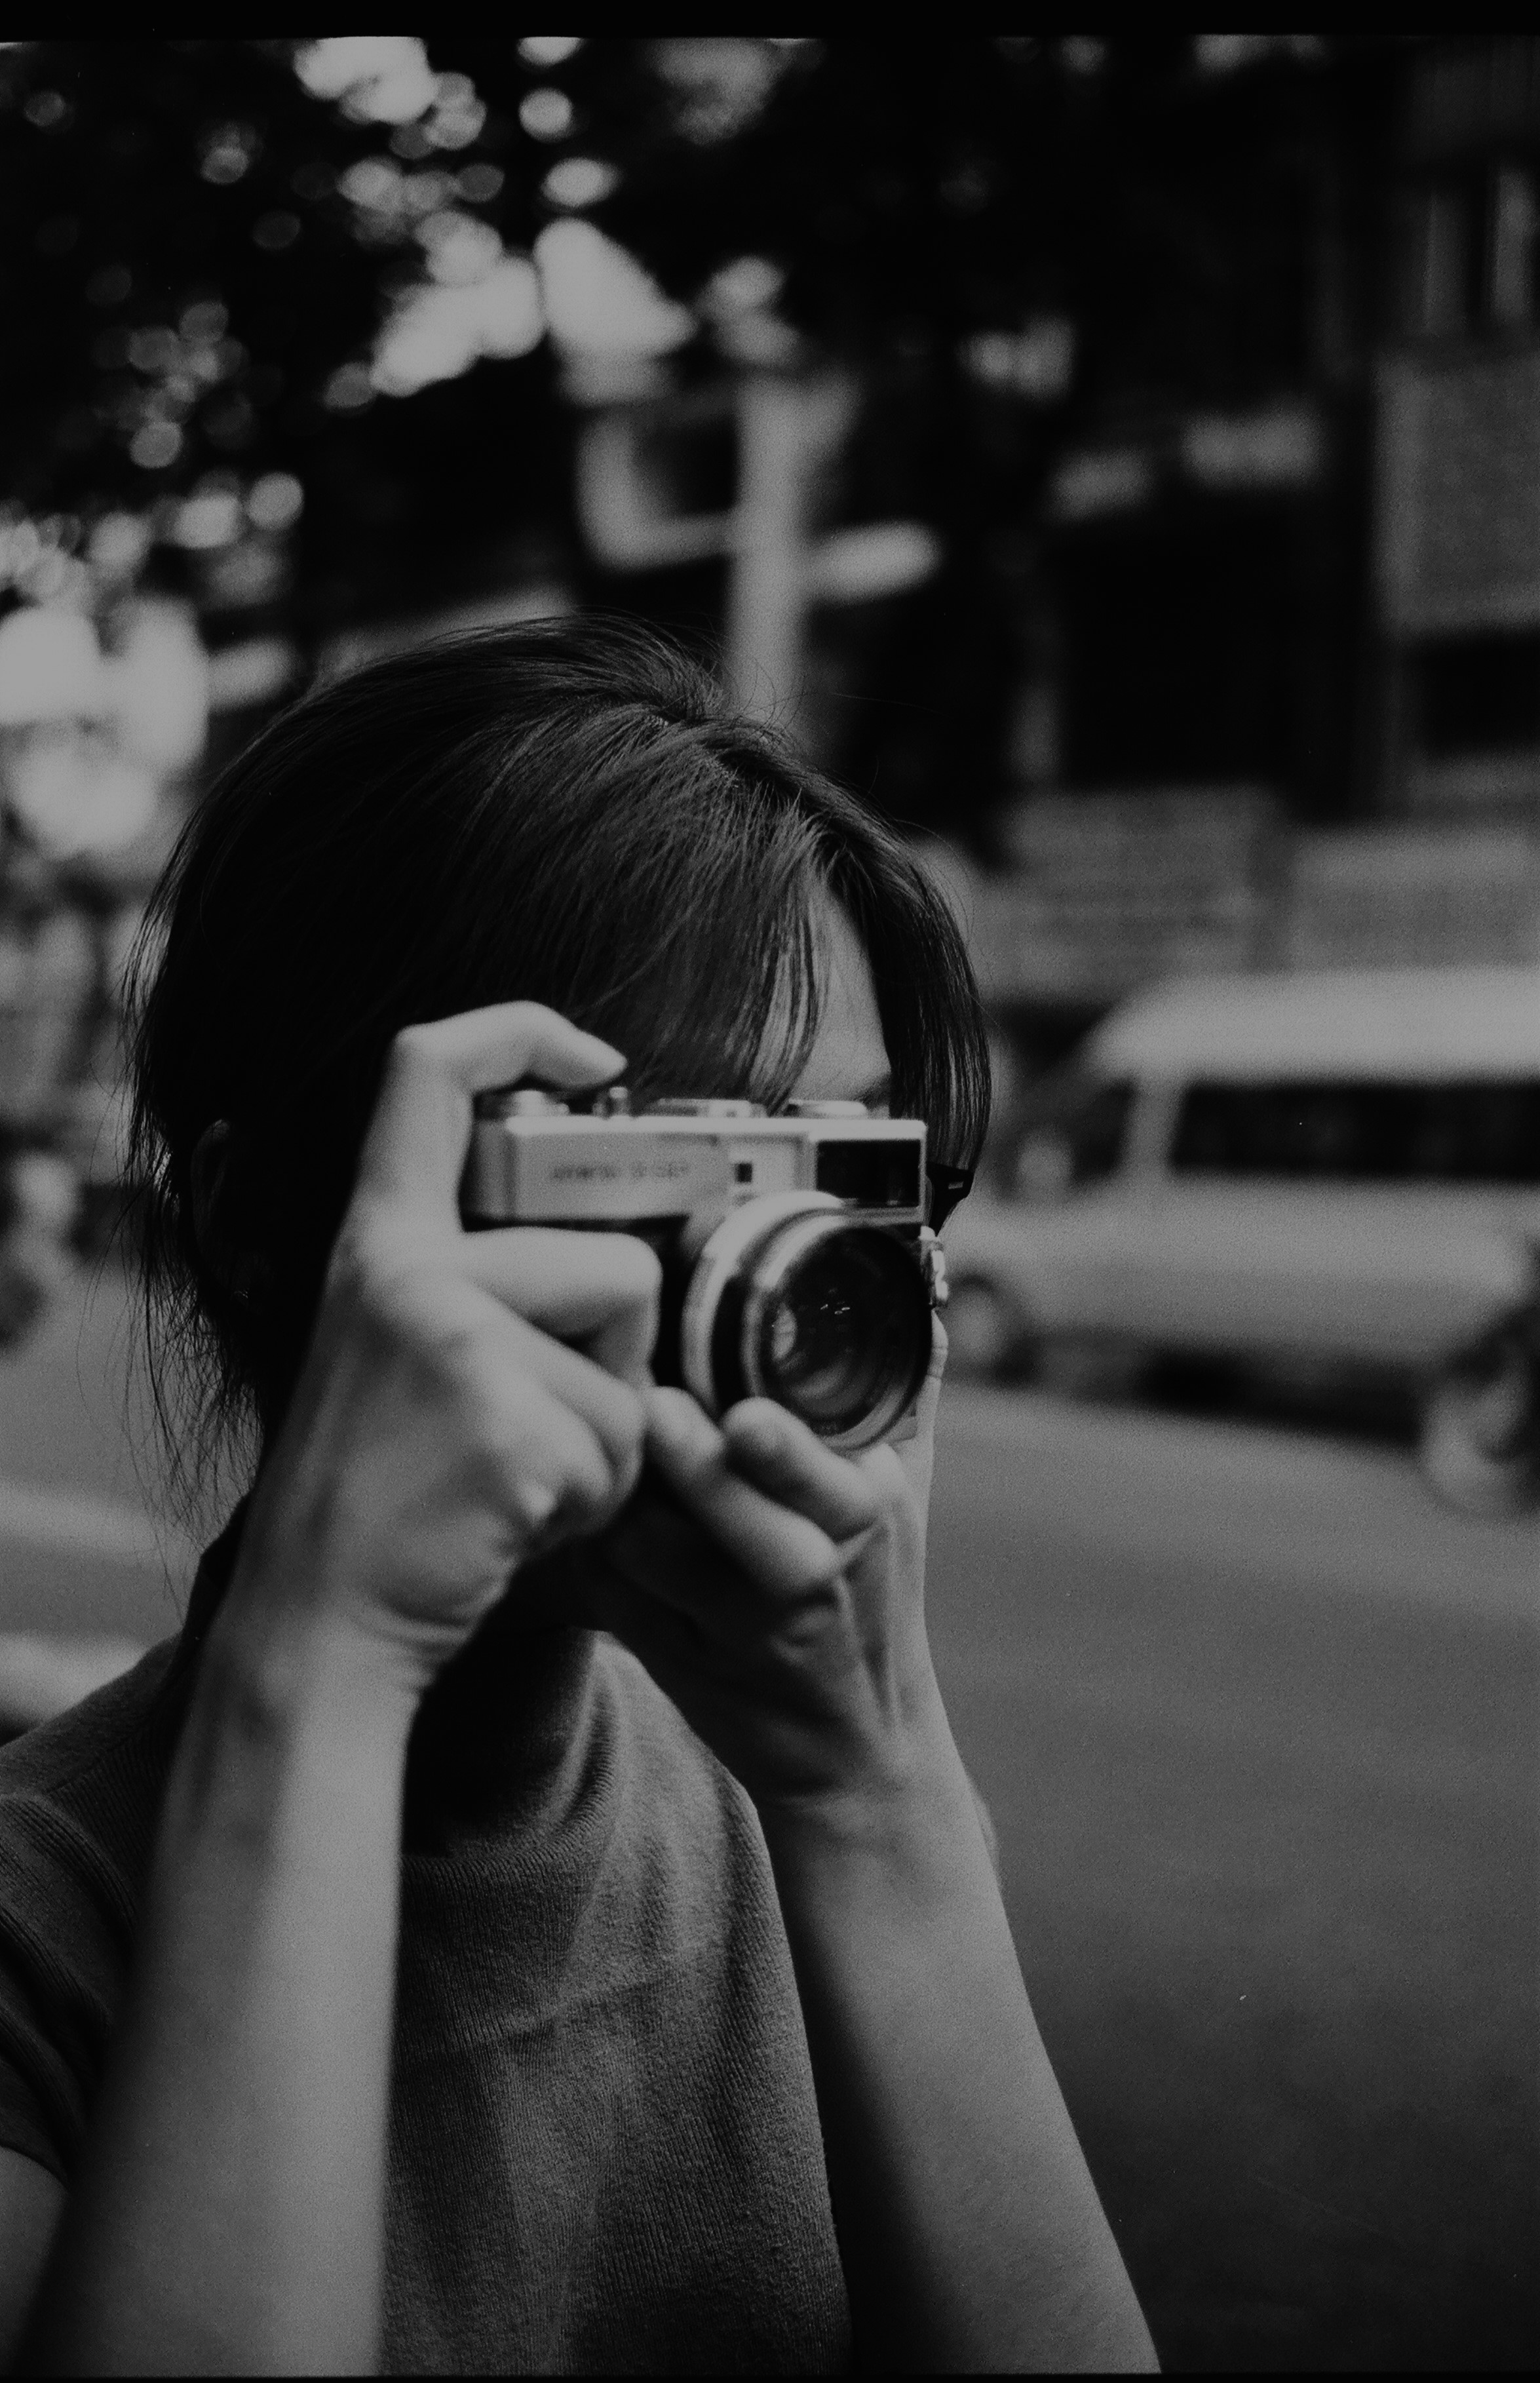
pixel 534 1916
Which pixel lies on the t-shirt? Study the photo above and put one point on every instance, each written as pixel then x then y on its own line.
pixel 604 2146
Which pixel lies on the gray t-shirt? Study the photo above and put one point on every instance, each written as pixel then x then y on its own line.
pixel 604 2152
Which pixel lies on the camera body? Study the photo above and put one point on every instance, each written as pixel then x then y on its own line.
pixel 797 1263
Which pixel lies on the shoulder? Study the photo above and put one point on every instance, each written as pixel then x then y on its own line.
pixel 87 1784
pixel 96 1765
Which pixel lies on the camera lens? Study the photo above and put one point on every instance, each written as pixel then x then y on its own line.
pixel 793 1300
pixel 843 1338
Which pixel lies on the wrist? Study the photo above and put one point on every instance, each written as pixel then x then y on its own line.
pixel 295 1743
pixel 299 1601
pixel 286 1648
pixel 899 1809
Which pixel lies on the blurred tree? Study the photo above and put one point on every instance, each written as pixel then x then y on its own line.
pixel 204 249
pixel 185 279
pixel 1022 245
pixel 238 261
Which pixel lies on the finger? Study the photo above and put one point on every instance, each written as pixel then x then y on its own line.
pixel 545 1465
pixel 781 1456
pixel 414 1149
pixel 489 1354
pixel 597 1290
pixel 778 1545
pixel 608 1408
pixel 670 1556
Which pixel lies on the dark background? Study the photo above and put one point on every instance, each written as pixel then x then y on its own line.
pixel 1214 238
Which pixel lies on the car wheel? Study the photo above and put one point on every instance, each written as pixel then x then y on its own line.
pixel 1479 1442
pixel 986 1334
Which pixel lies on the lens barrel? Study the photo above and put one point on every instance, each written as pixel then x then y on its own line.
pixel 824 1313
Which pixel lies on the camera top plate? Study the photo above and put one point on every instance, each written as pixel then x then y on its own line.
pixel 538 1163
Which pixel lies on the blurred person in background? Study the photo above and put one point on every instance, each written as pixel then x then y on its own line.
pixel 535 1916
pixel 37 1216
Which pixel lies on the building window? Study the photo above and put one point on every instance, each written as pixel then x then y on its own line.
pixel 1509 290
pixel 1479 695
pixel 1471 250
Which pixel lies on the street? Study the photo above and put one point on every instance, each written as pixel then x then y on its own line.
pixel 1256 1721
pixel 1257 1725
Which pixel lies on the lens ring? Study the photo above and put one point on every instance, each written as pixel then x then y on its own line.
pixel 727 1259
pixel 849 1376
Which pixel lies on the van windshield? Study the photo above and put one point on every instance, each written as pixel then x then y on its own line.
pixel 1481 1131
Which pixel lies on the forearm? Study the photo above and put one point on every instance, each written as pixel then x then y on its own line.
pixel 228 2212
pixel 969 2228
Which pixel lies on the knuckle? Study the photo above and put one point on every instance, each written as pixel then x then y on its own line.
pixel 868 1492
pixel 512 1433
pixel 383 1293
pixel 619 1445
pixel 367 1267
pixel 625 1432
pixel 643 1270
pixel 414 1048
pixel 884 1487
pixel 497 1465
pixel 609 1486
pixel 627 1270
pixel 592 1450
pixel 594 1486
pixel 357 1272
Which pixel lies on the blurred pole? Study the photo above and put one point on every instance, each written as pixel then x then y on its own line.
pixel 789 432
pixel 790 428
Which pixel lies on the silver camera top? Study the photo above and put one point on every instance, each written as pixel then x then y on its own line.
pixel 537 1158
pixel 796 1262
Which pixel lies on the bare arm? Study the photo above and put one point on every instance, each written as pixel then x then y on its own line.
pixel 227 2216
pixel 970 2230
pixel 228 2211
pixel 786 1619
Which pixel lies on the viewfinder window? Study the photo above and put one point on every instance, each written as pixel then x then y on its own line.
pixel 874 1174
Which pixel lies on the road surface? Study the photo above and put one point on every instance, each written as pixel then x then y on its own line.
pixel 1258 1725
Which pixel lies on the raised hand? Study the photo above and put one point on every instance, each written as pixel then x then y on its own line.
pixel 775 1590
pixel 470 1399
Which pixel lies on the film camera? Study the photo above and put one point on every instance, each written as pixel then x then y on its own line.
pixel 797 1263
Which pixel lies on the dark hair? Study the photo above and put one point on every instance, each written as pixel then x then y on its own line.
pixel 569 812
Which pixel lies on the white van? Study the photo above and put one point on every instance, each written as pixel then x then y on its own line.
pixel 1340 1168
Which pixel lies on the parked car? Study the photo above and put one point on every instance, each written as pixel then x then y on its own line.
pixel 1338 1168
pixel 1480 1440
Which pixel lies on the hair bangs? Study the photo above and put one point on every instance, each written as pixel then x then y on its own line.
pixel 566 812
